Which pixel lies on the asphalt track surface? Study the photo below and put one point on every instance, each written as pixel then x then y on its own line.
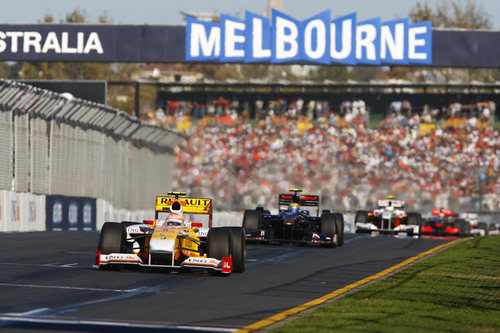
pixel 47 284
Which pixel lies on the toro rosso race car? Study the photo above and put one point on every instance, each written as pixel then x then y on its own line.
pixel 170 241
pixel 293 223
pixel 389 217
pixel 445 222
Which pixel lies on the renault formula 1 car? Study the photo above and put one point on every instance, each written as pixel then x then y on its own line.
pixel 294 223
pixel 389 217
pixel 445 222
pixel 172 242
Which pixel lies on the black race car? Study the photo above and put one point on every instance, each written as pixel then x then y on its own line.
pixel 293 223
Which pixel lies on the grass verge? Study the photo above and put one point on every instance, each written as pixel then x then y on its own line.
pixel 457 290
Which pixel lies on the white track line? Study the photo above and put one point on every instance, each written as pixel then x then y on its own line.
pixel 66 287
pixel 62 321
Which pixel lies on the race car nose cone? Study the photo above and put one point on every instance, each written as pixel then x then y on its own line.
pixel 161 245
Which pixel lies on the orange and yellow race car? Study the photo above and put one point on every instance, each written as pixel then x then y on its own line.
pixel 171 241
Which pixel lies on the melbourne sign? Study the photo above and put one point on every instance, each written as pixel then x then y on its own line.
pixel 319 39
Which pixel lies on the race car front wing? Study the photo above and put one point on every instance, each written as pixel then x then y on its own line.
pixel 223 266
pixel 370 228
pixel 308 238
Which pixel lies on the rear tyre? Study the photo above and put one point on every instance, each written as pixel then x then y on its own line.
pixel 361 216
pixel 464 227
pixel 340 229
pixel 329 225
pixel 413 219
pixel 252 219
pixel 239 249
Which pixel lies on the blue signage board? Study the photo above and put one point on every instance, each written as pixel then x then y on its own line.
pixel 70 213
pixel 319 39
pixel 280 39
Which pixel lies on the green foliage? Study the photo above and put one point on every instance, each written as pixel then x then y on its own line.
pixel 457 290
pixel 452 14
pixel 449 14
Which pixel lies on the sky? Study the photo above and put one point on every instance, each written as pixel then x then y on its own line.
pixel 167 12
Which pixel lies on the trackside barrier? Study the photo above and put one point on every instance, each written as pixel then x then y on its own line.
pixel 21 212
pixel 55 145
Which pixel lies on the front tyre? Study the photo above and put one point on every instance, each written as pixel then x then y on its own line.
pixel 112 238
pixel 219 243
pixel 239 249
pixel 329 225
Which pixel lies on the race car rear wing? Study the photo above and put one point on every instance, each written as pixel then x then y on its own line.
pixel 189 206
pixel 310 200
pixel 446 212
pixel 393 203
pixel 304 199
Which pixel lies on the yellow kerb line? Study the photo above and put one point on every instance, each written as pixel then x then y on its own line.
pixel 285 314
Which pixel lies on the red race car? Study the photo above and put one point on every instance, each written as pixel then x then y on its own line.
pixel 445 222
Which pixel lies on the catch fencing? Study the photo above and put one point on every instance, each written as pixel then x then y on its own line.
pixel 52 144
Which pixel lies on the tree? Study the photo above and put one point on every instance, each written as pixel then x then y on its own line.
pixel 449 14
pixel 452 14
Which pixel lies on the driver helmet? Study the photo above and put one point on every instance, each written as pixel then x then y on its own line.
pixel 293 207
pixel 175 220
pixel 176 217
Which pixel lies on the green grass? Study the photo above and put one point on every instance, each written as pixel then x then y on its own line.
pixel 457 290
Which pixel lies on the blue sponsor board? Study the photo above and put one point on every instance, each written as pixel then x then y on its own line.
pixel 256 39
pixel 70 213
pixel 319 39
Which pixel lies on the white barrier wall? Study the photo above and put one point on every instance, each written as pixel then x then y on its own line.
pixel 106 213
pixel 21 212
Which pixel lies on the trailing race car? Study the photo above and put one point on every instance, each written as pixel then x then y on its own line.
pixel 172 242
pixel 445 222
pixel 390 217
pixel 293 223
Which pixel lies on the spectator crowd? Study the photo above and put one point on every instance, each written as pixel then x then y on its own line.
pixel 428 159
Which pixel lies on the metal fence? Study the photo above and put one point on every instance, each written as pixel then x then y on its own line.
pixel 50 144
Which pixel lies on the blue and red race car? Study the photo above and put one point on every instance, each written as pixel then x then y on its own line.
pixel 294 223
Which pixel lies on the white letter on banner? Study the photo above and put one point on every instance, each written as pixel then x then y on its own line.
pixel 231 37
pixel 316 37
pixel 420 48
pixel 393 41
pixel 93 43
pixel 199 46
pixel 342 34
pixel 51 43
pixel 3 47
pixel 14 35
pixel 65 44
pixel 257 41
pixel 285 38
pixel 368 40
pixel 32 38
pixel 257 38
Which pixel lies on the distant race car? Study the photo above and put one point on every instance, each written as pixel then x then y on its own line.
pixel 172 242
pixel 445 222
pixel 476 228
pixel 293 223
pixel 390 217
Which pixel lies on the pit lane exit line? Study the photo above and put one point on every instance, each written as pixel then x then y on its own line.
pixel 290 312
